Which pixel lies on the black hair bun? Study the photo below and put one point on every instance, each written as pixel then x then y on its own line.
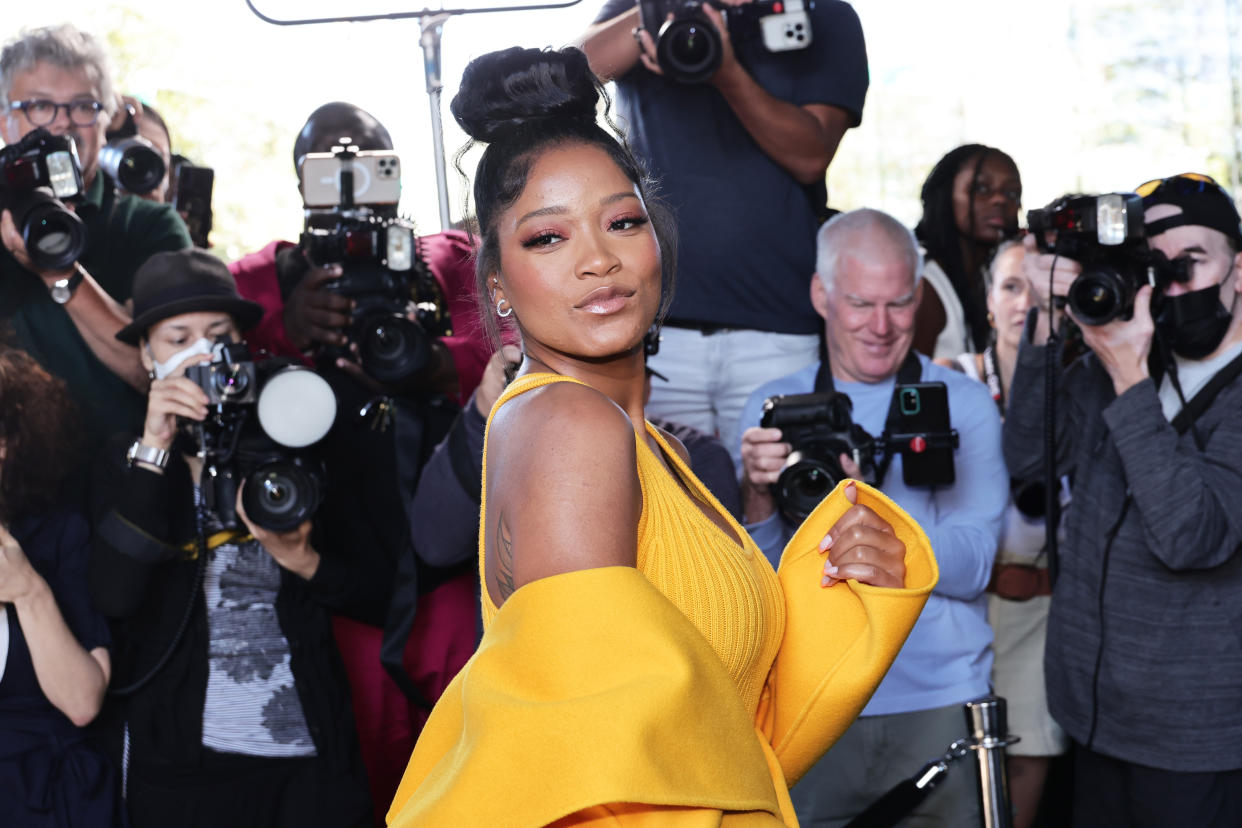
pixel 505 90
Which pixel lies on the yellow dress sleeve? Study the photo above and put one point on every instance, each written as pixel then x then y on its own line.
pixel 618 701
pixel 839 641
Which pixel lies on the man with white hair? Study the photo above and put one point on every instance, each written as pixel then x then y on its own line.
pixel 57 78
pixel 867 288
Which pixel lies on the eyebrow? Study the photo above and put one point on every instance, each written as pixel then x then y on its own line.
pixel 905 297
pixel 1194 248
pixel 184 327
pixel 48 96
pixel 560 210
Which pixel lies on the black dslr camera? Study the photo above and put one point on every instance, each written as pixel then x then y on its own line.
pixel 262 417
pixel 820 428
pixel 130 160
pixel 399 308
pixel 37 174
pixel 1105 234
pixel 688 46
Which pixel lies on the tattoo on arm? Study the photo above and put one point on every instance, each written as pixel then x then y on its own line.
pixel 505 584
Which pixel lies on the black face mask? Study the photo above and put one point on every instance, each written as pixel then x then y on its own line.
pixel 1194 323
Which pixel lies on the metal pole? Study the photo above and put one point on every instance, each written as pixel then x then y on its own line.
pixel 986 720
pixel 432 30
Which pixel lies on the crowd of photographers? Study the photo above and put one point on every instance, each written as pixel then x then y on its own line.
pixel 239 504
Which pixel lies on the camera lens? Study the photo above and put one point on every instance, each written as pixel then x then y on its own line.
pixel 231 383
pixel 689 49
pixel 55 237
pixel 392 348
pixel 133 163
pixel 810 475
pixel 281 495
pixel 1100 295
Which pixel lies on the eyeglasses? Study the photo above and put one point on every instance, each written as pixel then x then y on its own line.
pixel 41 112
pixel 1184 184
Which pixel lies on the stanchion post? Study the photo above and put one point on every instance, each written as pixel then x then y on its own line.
pixel 988 724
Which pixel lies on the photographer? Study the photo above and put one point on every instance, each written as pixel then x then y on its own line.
pixel 57 79
pixel 1144 662
pixel 867 289
pixel 741 158
pixel 377 459
pixel 239 713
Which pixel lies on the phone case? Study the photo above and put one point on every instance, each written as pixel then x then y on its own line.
pixel 377 178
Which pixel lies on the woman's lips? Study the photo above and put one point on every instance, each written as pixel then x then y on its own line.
pixel 605 300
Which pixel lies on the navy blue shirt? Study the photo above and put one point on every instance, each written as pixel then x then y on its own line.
pixel 746 227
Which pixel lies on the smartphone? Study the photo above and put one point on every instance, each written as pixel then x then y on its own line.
pixel 192 200
pixel 377 178
pixel 920 430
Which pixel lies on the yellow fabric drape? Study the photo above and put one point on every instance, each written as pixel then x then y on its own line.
pixel 592 700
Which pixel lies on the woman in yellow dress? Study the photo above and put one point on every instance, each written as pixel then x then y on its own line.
pixel 642 664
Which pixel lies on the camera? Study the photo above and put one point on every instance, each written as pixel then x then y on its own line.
pixel 399 308
pixel 130 160
pixel 688 46
pixel 262 416
pixel 1105 234
pixel 36 173
pixel 820 428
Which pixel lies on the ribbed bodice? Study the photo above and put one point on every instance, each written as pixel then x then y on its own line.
pixel 729 592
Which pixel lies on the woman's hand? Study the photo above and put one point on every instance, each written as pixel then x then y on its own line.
pixel 292 549
pixel 170 398
pixel 862 547
pixel 494 379
pixel 17 577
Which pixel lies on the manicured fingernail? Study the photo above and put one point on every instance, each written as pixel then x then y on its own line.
pixel 826 543
pixel 830 569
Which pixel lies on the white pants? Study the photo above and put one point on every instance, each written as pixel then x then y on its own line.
pixel 710 376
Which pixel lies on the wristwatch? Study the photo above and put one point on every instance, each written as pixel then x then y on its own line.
pixel 150 455
pixel 62 289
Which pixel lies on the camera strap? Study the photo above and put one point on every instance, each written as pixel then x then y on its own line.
pixel 1203 400
pixel 911 371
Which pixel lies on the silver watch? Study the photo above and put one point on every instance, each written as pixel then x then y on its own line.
pixel 62 289
pixel 147 454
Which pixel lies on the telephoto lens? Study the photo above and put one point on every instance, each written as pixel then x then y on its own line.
pixel 134 163
pixel 1101 294
pixel 688 48
pixel 390 347
pixel 55 237
pixel 282 494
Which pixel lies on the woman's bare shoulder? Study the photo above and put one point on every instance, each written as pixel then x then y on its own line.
pixel 562 488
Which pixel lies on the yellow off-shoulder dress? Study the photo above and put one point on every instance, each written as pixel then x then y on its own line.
pixel 692 690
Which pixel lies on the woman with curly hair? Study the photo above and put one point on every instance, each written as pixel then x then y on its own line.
pixel 54 648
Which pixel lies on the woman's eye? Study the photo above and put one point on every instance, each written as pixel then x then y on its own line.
pixel 541 240
pixel 629 222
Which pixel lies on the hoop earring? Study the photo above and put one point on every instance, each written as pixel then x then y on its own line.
pixel 507 312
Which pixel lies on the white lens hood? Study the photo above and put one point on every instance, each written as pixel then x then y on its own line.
pixel 296 407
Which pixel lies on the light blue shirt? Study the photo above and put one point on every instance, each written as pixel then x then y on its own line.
pixel 948 656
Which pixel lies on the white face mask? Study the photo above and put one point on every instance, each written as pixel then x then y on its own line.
pixel 164 369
